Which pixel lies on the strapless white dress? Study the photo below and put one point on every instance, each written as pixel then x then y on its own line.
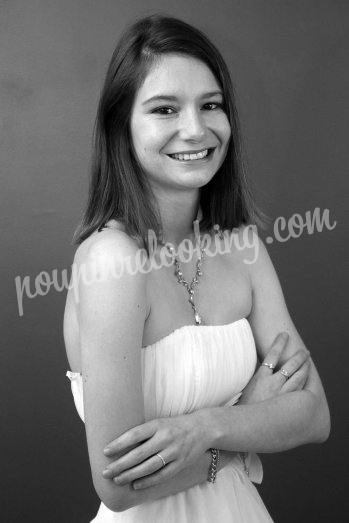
pixel 192 368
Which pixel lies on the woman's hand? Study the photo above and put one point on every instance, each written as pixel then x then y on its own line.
pixel 269 381
pixel 179 440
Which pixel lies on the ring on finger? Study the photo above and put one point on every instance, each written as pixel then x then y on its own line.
pixel 162 459
pixel 269 365
pixel 285 373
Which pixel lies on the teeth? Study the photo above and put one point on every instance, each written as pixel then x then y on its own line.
pixel 186 157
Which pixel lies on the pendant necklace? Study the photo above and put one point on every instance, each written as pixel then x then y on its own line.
pixel 198 273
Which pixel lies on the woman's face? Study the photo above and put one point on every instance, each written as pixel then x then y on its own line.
pixel 179 130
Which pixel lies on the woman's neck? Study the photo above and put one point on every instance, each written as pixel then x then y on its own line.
pixel 177 217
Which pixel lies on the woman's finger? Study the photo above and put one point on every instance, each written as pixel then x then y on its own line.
pixel 163 474
pixel 292 365
pixel 151 465
pixel 298 379
pixel 273 356
pixel 302 375
pixel 131 437
pixel 131 459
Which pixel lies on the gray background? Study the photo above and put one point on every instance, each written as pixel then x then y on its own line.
pixel 288 60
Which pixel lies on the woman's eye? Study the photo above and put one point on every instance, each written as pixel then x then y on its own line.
pixel 167 111
pixel 213 105
pixel 163 110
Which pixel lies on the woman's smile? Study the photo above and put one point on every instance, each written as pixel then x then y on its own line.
pixel 192 155
pixel 179 128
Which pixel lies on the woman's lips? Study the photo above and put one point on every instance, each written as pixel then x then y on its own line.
pixel 191 155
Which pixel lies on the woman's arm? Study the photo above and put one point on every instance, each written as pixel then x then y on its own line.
pixel 186 478
pixel 112 312
pixel 287 420
pixel 111 319
pixel 263 385
pixel 182 438
pixel 281 422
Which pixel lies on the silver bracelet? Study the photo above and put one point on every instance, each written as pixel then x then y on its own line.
pixel 213 467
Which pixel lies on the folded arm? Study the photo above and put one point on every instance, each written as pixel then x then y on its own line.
pixel 111 335
pixel 284 421
pixel 274 425
pixel 280 416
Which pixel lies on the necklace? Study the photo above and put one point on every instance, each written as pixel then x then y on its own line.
pixel 198 273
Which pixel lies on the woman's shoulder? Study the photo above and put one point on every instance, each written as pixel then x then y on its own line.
pixel 242 244
pixel 251 251
pixel 248 255
pixel 111 239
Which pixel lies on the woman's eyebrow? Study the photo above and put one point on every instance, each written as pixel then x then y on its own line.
pixel 170 98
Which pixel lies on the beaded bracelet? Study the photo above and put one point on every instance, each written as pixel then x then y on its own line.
pixel 213 467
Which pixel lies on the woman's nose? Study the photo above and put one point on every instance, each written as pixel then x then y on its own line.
pixel 192 126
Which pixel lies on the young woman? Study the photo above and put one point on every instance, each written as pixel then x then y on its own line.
pixel 167 314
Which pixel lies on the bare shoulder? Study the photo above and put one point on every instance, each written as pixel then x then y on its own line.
pixel 243 244
pixel 103 276
pixel 253 253
pixel 109 282
pixel 256 257
pixel 111 253
pixel 105 244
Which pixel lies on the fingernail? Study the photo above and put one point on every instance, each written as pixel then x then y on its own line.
pixel 106 472
pixel 137 486
pixel 107 450
pixel 118 480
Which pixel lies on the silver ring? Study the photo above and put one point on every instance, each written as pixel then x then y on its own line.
pixel 270 365
pixel 285 373
pixel 162 459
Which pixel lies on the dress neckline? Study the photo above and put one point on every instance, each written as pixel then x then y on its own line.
pixel 196 327
pixel 73 375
